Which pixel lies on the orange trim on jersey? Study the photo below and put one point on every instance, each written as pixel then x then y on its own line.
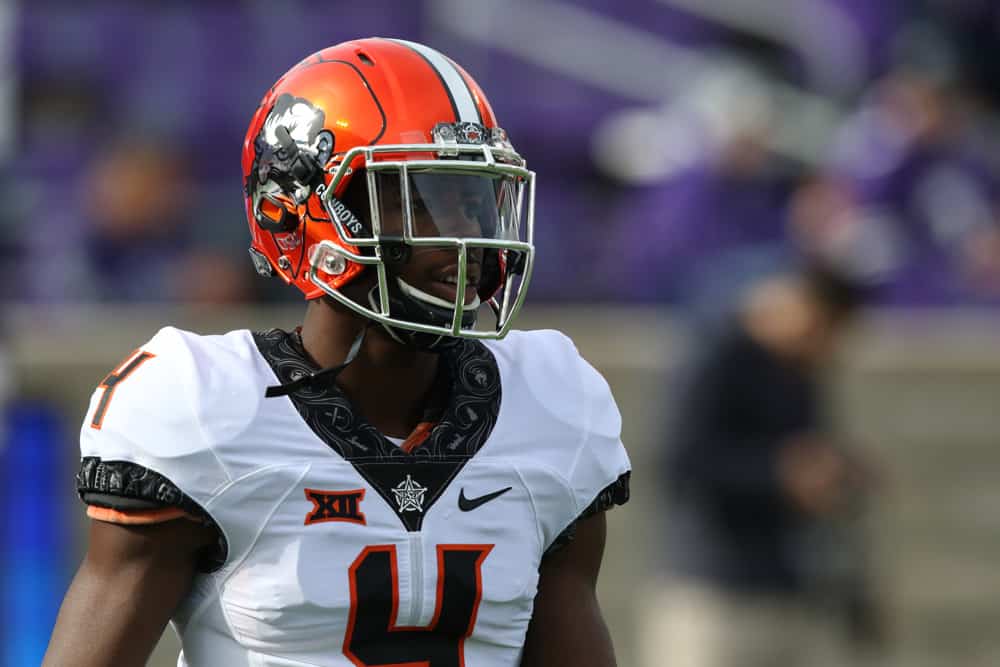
pixel 417 437
pixel 128 366
pixel 137 517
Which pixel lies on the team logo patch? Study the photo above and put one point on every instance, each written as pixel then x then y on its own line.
pixel 335 506
pixel 409 495
pixel 294 126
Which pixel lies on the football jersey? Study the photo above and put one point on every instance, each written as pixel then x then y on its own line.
pixel 337 546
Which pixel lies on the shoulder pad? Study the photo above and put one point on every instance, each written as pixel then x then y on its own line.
pixel 547 364
pixel 575 402
pixel 166 406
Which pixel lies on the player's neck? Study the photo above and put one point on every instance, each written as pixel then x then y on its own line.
pixel 389 383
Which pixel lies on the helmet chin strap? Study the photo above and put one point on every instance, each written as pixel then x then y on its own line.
pixel 408 302
pixel 373 302
pixel 414 293
pixel 324 376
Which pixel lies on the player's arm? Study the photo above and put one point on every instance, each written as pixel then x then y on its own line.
pixel 567 628
pixel 127 588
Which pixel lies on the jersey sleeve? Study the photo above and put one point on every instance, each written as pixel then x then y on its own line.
pixel 577 416
pixel 145 455
pixel 599 475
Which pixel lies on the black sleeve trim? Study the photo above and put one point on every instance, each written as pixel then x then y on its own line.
pixel 123 485
pixel 130 481
pixel 616 493
pixel 562 539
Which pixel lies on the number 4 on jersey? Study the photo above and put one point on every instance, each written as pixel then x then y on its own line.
pixel 108 384
pixel 373 638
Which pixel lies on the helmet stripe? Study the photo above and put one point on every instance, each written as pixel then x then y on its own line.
pixel 454 83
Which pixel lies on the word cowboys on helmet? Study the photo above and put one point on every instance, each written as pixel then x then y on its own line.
pixel 402 480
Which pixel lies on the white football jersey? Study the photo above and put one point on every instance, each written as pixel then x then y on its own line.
pixel 338 547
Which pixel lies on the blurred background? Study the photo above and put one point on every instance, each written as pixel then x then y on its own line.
pixel 685 150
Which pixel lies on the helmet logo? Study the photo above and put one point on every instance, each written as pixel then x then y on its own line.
pixel 303 121
pixel 290 148
pixel 461 133
pixel 288 242
pixel 473 132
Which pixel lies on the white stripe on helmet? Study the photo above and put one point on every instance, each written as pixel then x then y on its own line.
pixel 465 105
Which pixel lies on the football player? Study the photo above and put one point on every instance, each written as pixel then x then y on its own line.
pixel 387 484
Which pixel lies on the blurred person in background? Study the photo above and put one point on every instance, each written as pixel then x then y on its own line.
pixel 143 220
pixel 137 205
pixel 715 219
pixel 57 114
pixel 915 156
pixel 764 561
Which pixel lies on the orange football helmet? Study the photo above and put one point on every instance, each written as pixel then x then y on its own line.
pixel 343 149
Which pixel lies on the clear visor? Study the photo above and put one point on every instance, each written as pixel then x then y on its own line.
pixel 448 205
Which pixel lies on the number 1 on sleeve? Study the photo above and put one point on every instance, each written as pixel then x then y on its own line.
pixel 108 384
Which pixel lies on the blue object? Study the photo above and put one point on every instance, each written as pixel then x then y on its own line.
pixel 33 530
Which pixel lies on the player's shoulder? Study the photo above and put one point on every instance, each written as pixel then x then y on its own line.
pixel 204 381
pixel 547 365
pixel 534 341
pixel 154 432
pixel 558 412
pixel 213 351
pixel 542 355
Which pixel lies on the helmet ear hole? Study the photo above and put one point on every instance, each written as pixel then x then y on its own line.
pixel 274 216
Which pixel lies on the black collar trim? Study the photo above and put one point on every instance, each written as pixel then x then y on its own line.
pixel 464 427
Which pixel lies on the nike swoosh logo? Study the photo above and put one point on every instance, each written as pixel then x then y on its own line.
pixel 469 504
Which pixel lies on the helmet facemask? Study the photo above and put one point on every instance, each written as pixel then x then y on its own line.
pixel 448 228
